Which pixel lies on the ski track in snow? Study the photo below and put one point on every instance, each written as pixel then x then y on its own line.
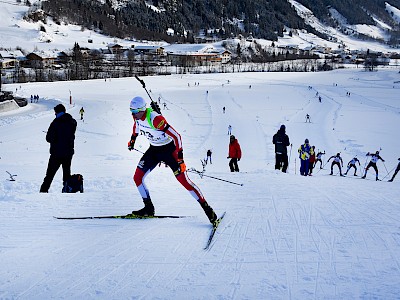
pixel 284 236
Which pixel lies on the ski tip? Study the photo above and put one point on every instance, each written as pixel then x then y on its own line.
pixel 223 215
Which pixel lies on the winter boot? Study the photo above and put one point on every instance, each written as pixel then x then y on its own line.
pixel 147 210
pixel 390 180
pixel 209 212
pixel 364 176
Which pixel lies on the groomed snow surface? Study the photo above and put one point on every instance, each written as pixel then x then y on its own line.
pixel 284 236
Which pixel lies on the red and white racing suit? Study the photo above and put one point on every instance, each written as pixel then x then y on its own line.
pixel 165 143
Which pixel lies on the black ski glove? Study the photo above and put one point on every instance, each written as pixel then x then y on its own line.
pixel 131 143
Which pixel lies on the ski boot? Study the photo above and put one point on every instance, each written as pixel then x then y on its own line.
pixel 209 212
pixel 146 211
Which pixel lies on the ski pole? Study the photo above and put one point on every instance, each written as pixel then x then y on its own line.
pixel 366 160
pixel 201 176
pixel 138 150
pixel 385 166
pixel 322 167
pixel 385 169
pixel 388 173
pixel 11 176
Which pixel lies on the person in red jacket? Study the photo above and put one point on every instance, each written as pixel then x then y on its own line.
pixel 235 153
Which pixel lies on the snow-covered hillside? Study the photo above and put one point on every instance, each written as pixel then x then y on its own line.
pixel 16 32
pixel 284 236
pixel 338 39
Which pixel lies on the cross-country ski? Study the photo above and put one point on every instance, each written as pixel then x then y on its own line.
pixel 129 216
pixel 213 230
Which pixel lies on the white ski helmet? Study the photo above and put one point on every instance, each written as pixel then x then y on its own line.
pixel 137 104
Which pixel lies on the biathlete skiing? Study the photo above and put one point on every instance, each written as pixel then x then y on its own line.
pixel 165 146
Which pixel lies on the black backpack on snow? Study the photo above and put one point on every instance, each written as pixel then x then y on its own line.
pixel 73 184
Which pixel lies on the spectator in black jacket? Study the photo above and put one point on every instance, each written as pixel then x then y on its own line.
pixel 61 136
pixel 281 141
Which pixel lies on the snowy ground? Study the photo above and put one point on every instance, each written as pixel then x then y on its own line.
pixel 284 236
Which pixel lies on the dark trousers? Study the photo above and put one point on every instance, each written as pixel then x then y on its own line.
pixel 310 167
pixel 54 164
pixel 234 165
pixel 318 160
pixel 373 165
pixel 338 164
pixel 395 172
pixel 281 161
pixel 304 167
pixel 352 166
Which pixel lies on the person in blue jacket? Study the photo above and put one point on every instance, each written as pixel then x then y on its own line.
pixel 305 152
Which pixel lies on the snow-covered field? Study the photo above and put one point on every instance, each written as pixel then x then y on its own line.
pixel 284 236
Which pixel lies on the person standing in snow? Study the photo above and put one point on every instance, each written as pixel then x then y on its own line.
pixel 319 159
pixel 209 152
pixel 229 130
pixel 281 141
pixel 395 172
pixel 308 118
pixel 61 136
pixel 235 154
pixel 81 112
pixel 374 159
pixel 352 164
pixel 312 161
pixel 165 145
pixel 337 160
pixel 305 152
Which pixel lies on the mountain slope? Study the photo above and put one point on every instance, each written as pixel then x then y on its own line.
pixel 186 19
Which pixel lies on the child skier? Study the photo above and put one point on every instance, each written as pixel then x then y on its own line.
pixel 374 159
pixel 165 145
pixel 352 164
pixel 337 160
pixel 312 161
pixel 319 159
